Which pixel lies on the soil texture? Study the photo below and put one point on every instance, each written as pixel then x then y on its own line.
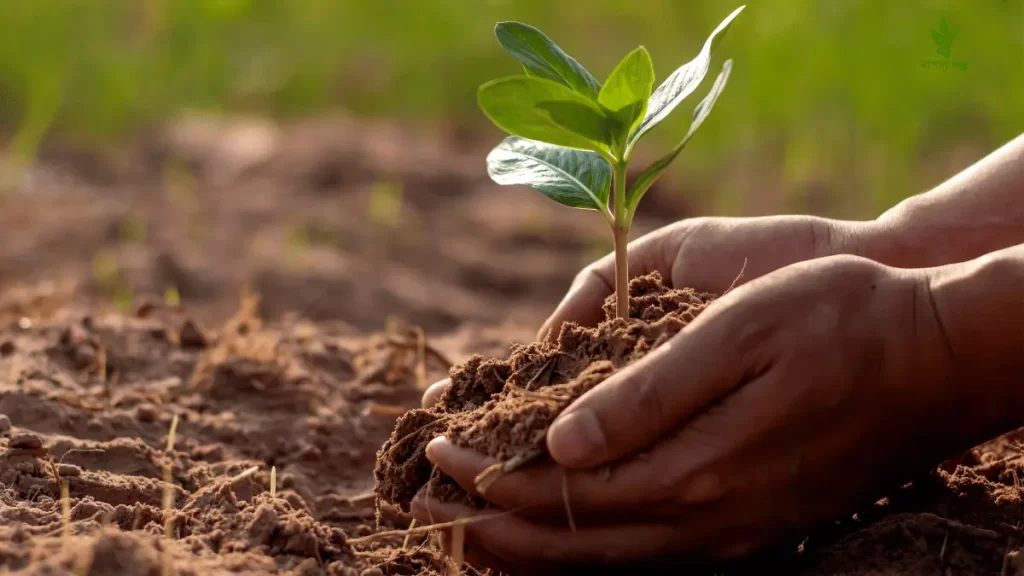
pixel 286 292
pixel 503 408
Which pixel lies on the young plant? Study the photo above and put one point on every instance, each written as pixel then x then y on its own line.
pixel 572 137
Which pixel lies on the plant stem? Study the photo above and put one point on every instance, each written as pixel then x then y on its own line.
pixel 620 234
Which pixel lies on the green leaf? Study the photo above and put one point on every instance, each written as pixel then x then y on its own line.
pixel 645 180
pixel 580 119
pixel 543 110
pixel 680 83
pixel 575 178
pixel 542 58
pixel 627 89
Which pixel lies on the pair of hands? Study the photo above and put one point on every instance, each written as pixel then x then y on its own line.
pixel 823 380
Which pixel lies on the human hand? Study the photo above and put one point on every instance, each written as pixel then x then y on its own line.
pixel 788 401
pixel 706 254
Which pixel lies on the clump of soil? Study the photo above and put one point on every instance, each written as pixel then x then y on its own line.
pixel 503 408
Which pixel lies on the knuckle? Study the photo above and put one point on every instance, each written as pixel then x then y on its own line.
pixel 821 237
pixel 583 274
pixel 591 274
pixel 679 248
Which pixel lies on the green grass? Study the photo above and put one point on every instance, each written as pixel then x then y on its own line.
pixel 821 90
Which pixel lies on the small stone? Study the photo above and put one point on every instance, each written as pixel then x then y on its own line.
pixel 192 336
pixel 68 470
pixel 26 441
pixel 262 525
pixel 372 572
pixel 145 309
pixel 293 499
pixel 146 412
pixel 5 424
pixel 7 348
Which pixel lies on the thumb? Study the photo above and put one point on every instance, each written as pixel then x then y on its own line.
pixel 640 404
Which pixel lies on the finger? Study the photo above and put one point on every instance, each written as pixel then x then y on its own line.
pixel 583 303
pixel 552 491
pixel 647 400
pixel 433 393
pixel 474 554
pixel 462 464
pixel 520 542
pixel 430 511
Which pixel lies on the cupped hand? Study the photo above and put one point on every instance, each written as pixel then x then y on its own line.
pixel 788 401
pixel 706 254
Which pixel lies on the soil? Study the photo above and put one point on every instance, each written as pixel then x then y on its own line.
pixel 503 408
pixel 358 308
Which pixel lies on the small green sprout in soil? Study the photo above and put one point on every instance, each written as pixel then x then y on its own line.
pixel 572 137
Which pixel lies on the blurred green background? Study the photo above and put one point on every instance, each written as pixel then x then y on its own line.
pixel 828 99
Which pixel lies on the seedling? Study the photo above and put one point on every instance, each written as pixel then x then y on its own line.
pixel 572 137
pixel 172 297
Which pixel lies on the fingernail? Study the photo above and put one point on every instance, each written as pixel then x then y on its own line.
pixel 433 393
pixel 576 437
pixel 434 446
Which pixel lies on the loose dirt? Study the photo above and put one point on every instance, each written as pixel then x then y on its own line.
pixel 311 377
pixel 90 401
pixel 503 408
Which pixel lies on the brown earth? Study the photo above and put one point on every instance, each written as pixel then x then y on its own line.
pixel 352 234
pixel 502 408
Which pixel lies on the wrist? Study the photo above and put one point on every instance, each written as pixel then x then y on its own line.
pixel 979 308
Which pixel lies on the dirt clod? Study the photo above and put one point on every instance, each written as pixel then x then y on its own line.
pixel 502 408
pixel 192 336
pixel 25 441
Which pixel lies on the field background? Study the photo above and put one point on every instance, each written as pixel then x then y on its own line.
pixel 829 94
pixel 829 111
